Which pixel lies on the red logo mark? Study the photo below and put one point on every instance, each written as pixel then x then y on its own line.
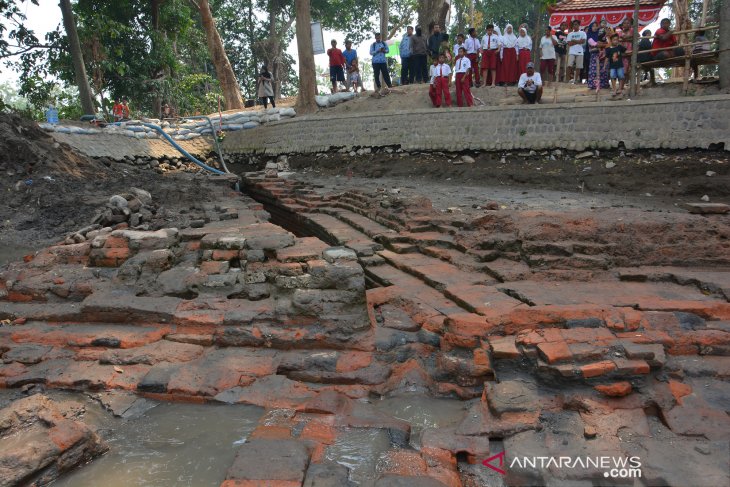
pixel 488 463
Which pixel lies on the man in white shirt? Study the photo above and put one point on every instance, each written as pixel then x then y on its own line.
pixel 490 51
pixel 462 68
pixel 576 40
pixel 473 46
pixel 530 85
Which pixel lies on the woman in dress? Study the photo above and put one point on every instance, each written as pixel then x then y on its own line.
pixel 597 70
pixel 508 72
pixel 524 50
pixel 627 40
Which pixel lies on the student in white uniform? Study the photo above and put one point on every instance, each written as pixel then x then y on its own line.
pixel 440 83
pixel 490 55
pixel 462 69
pixel 529 86
pixel 459 43
pixel 473 46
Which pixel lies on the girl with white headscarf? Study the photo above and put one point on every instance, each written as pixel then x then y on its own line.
pixel 524 50
pixel 508 72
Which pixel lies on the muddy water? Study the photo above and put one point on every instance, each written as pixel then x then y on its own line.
pixel 363 450
pixel 193 445
pixel 169 445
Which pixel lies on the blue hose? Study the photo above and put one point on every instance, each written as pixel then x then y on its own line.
pixel 182 151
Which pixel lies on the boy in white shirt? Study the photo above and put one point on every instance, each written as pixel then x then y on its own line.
pixel 490 52
pixel 462 68
pixel 459 43
pixel 440 82
pixel 473 46
pixel 576 40
pixel 547 55
pixel 530 85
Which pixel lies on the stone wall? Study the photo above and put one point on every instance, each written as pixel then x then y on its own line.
pixel 119 147
pixel 649 124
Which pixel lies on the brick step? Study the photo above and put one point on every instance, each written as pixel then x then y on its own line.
pixel 573 261
pixel 426 239
pixel 365 225
pixel 565 248
pixel 434 272
pixel 330 228
pixel 452 256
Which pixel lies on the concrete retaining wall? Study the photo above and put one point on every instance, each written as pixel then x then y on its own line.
pixel 667 124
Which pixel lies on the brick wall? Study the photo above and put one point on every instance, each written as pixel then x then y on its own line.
pixel 650 124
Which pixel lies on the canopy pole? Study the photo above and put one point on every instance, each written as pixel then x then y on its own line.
pixel 633 81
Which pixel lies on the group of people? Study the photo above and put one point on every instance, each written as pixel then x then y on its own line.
pixel 597 53
pixel 120 110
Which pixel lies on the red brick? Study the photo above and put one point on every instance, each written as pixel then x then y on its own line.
pixel 214 267
pixel 597 369
pixel 679 390
pixel 617 389
pixel 225 254
pixel 116 242
pixel 631 367
pixel 554 352
pixel 350 361
pixel 504 347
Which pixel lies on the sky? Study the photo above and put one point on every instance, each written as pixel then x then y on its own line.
pixel 47 15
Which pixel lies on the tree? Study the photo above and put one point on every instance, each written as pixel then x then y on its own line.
pixel 224 71
pixel 307 74
pixel 432 12
pixel 725 45
pixel 82 81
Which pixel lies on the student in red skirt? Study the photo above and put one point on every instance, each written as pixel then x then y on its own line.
pixel 440 82
pixel 490 53
pixel 509 70
pixel 524 48
pixel 462 70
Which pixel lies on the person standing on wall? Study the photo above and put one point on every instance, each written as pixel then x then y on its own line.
pixel 434 42
pixel 548 43
pixel 406 70
pixel 561 52
pixel 380 64
pixel 473 46
pixel 576 42
pixel 350 56
pixel 337 65
pixel 419 56
pixel 490 52
pixel 266 87
pixel 462 71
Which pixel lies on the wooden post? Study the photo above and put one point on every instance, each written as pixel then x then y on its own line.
pixel 703 20
pixel 633 81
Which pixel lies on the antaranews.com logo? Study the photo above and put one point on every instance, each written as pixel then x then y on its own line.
pixel 612 467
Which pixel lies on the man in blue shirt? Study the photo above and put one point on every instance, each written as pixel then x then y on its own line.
pixel 350 55
pixel 380 65
pixel 406 75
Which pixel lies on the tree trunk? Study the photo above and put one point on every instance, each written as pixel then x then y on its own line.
pixel 307 72
pixel 274 50
pixel 725 45
pixel 432 12
pixel 537 35
pixel 82 81
pixel 223 69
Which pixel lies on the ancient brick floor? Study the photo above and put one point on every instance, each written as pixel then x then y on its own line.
pixel 570 335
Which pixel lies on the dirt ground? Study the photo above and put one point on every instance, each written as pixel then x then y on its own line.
pixel 50 190
pixel 641 179
pixel 416 96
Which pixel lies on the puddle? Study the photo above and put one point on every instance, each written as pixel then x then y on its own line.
pixel 360 450
pixel 363 450
pixel 169 445
pixel 424 412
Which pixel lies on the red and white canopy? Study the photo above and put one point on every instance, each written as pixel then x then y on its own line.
pixel 614 11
